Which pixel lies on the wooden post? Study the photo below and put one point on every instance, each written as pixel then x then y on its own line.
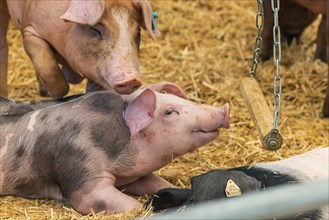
pixel 259 110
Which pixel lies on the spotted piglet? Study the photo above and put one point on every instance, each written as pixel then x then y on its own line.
pixel 88 149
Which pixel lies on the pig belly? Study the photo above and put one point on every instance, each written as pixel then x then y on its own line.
pixel 21 181
pixel 16 10
pixel 17 176
pixel 40 190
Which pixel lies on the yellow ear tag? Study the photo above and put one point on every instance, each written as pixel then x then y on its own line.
pixel 232 189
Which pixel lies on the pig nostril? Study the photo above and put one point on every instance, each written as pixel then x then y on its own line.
pixel 127 86
pixel 134 88
pixel 121 86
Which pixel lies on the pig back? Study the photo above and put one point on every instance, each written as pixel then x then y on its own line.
pixel 308 166
pixel 55 151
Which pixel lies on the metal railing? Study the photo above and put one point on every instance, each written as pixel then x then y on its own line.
pixel 280 201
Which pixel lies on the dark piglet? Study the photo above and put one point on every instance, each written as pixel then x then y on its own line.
pixel 208 186
pixel 88 149
pixel 222 184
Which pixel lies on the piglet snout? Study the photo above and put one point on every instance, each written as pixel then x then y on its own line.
pixel 127 86
pixel 225 115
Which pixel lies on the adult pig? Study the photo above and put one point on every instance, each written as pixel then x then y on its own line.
pixel 212 185
pixel 88 149
pixel 71 39
pixel 294 17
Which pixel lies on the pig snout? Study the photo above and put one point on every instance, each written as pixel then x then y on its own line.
pixel 225 115
pixel 209 124
pixel 127 86
pixel 213 119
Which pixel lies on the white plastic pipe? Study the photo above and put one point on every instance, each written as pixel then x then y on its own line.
pixel 274 202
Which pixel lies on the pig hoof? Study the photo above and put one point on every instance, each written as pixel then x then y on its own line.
pixel 44 93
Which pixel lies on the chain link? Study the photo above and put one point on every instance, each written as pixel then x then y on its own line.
pixel 277 59
pixel 273 139
pixel 259 39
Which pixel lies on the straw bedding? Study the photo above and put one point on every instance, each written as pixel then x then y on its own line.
pixel 206 48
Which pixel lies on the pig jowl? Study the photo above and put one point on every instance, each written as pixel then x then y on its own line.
pixel 87 149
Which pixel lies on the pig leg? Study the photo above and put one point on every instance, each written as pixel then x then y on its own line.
pixel 43 91
pixel 321 44
pixel 46 65
pixel 325 109
pixel 106 198
pixel 70 75
pixel 147 185
pixel 267 33
pixel 3 48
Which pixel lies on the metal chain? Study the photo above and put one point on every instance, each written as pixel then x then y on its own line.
pixel 273 140
pixel 277 59
pixel 259 39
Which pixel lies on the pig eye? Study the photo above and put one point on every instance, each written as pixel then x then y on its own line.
pixel 169 111
pixel 97 29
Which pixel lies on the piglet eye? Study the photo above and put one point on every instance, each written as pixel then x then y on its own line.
pixel 168 111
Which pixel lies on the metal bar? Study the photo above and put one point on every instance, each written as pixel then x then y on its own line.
pixel 278 201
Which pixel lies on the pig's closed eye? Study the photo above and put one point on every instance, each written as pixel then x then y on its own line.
pixel 97 29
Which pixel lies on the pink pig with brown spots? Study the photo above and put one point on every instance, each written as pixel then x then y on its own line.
pixel 87 149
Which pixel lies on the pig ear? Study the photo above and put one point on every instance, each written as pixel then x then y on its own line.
pixel 148 18
pixel 84 12
pixel 167 87
pixel 140 112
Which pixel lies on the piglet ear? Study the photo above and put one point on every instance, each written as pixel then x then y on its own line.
pixel 84 11
pixel 148 18
pixel 167 87
pixel 140 112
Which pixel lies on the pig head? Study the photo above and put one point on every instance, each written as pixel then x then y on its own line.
pixel 71 39
pixel 88 149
